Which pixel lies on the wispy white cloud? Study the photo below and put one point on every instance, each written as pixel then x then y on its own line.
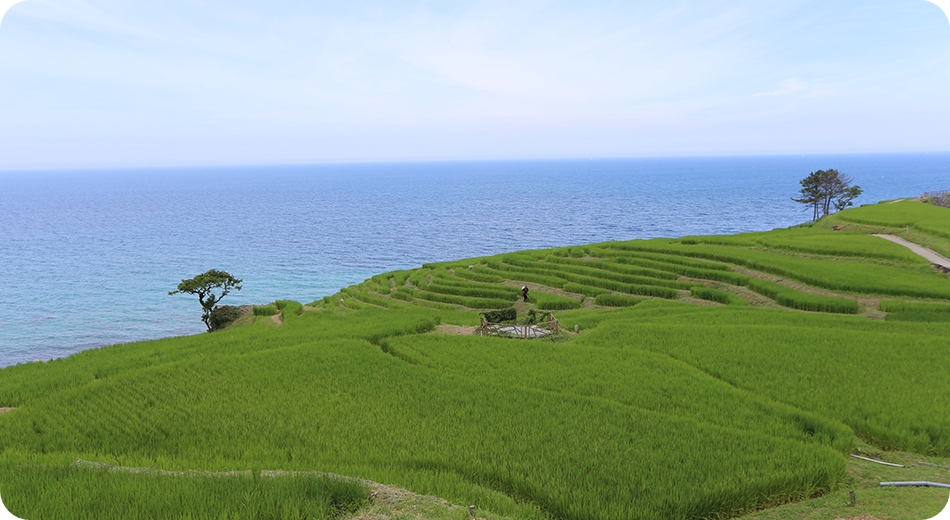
pixel 5 6
pixel 390 79
pixel 944 5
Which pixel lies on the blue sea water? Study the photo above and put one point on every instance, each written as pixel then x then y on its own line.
pixel 87 257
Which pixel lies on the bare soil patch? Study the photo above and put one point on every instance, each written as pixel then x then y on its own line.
pixel 5 410
pixel 387 502
pixel 455 330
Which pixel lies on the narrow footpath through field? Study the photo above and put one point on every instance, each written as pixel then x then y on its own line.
pixel 920 250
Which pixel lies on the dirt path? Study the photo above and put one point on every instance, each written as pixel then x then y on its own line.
pixel 919 250
pixel 455 329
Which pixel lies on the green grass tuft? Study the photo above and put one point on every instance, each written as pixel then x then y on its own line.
pixel 265 310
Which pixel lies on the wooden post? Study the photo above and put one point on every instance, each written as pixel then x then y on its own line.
pixel 851 496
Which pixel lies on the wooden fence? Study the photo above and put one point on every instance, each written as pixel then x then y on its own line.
pixel 939 198
pixel 510 330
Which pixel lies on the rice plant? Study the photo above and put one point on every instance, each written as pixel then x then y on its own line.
pixel 552 302
pixel 616 300
pixel 75 491
pixel 618 268
pixel 470 274
pixel 902 306
pixel 717 295
pixel 789 297
pixel 583 289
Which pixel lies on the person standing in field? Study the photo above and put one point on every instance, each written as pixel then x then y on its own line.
pixel 524 292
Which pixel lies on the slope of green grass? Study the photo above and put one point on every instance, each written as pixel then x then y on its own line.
pixel 848 371
pixel 662 409
pixel 918 222
pixel 71 491
pixel 632 377
pixel 925 217
pixel 832 243
pixel 302 400
pixel 844 275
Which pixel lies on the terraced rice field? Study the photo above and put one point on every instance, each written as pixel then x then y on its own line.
pixel 709 377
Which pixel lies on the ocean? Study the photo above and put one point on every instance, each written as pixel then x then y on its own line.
pixel 88 256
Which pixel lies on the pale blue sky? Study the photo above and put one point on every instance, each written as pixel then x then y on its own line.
pixel 90 83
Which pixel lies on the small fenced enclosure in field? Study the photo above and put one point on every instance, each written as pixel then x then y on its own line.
pixel 512 330
pixel 939 198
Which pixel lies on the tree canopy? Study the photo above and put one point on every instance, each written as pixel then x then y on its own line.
pixel 205 286
pixel 827 191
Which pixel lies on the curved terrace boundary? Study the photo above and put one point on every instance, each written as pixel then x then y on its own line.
pixel 928 254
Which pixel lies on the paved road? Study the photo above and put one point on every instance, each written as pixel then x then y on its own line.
pixel 930 255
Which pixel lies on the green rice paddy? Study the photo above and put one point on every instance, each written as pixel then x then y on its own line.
pixel 709 377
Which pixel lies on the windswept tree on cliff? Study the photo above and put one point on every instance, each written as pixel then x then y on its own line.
pixel 827 191
pixel 204 285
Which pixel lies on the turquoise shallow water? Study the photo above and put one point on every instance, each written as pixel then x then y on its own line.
pixel 88 257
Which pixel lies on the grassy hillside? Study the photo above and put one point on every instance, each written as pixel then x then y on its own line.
pixel 711 376
pixel 924 224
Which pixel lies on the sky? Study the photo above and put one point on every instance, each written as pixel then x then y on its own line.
pixel 119 83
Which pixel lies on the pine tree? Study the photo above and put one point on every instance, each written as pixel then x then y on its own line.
pixel 827 191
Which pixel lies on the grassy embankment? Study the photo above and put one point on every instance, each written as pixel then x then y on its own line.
pixel 712 376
